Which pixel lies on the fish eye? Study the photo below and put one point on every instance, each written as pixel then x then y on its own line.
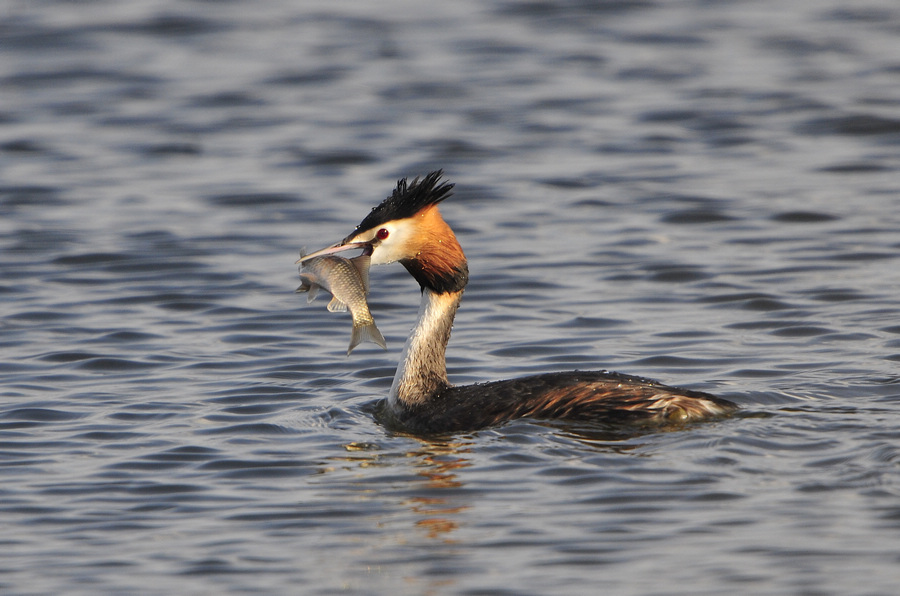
pixel 382 234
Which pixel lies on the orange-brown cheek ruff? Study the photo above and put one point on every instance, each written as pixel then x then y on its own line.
pixel 436 259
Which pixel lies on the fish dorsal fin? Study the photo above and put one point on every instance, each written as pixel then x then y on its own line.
pixel 336 306
pixel 308 286
pixel 313 292
pixel 362 265
pixel 309 283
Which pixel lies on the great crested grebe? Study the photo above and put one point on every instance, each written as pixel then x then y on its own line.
pixel 408 227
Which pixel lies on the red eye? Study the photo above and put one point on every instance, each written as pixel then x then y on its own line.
pixel 382 234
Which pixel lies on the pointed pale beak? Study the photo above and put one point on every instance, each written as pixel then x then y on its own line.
pixel 335 248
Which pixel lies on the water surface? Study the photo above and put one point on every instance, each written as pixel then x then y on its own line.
pixel 703 193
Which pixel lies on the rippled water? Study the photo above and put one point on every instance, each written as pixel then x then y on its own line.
pixel 700 192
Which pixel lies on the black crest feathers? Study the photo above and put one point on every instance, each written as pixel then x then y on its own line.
pixel 407 200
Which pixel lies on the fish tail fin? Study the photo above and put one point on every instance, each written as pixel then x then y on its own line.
pixel 363 333
pixel 375 336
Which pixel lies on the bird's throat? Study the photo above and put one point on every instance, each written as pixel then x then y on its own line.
pixel 422 371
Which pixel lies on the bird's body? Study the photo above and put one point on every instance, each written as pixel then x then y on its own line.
pixel 407 227
pixel 577 396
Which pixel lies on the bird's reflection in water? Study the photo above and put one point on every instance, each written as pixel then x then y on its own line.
pixel 439 499
pixel 437 463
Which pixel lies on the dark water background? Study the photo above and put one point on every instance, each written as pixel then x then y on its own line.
pixel 701 192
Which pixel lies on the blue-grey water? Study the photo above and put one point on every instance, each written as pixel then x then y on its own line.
pixel 701 192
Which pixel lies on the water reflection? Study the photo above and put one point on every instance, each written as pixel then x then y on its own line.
pixel 438 465
pixel 428 477
pixel 434 488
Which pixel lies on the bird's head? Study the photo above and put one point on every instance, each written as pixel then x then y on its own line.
pixel 408 227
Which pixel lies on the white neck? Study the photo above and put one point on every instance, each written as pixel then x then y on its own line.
pixel 422 371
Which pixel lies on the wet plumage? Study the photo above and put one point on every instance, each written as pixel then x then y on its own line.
pixel 582 396
pixel 407 227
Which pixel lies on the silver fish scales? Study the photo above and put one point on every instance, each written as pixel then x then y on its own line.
pixel 348 282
